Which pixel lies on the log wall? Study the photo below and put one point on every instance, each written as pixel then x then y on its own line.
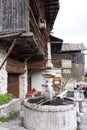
pixel 14 15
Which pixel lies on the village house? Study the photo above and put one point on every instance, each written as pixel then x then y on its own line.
pixel 73 57
pixel 25 27
pixel 37 76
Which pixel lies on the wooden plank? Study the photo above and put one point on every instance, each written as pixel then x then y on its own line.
pixel 15 14
pixel 12 62
pixel 11 69
pixel 37 65
pixel 14 66
pixel 13 85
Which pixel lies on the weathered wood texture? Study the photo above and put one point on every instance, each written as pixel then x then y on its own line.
pixel 76 57
pixel 37 65
pixel 13 85
pixel 14 66
pixel 14 15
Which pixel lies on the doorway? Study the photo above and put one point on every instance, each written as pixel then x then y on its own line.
pixel 13 84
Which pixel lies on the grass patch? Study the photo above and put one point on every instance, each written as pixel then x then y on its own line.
pixel 11 116
pixel 5 98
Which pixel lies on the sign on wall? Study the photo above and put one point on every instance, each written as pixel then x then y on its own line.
pixel 66 63
pixel 66 71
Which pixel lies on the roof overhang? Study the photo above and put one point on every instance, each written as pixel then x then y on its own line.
pixel 51 10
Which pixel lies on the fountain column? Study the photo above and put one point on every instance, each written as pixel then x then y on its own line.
pixel 49 62
pixel 48 75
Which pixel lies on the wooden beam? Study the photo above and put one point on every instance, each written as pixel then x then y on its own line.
pixel 14 66
pixel 37 65
pixel 9 52
pixel 11 69
pixel 9 35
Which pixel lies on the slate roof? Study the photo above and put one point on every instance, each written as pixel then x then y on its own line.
pixel 73 47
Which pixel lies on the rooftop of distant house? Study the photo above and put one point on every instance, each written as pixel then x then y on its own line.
pixel 73 47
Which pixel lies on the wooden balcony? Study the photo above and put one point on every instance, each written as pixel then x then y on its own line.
pixel 17 20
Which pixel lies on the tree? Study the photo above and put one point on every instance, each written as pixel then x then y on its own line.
pixel 73 75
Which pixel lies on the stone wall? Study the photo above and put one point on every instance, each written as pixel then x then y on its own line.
pixel 3 72
pixel 4 76
pixel 13 106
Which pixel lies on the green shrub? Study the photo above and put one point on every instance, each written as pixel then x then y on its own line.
pixel 5 98
pixel 13 115
pixel 3 119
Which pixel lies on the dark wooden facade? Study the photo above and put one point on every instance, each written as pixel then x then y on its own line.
pixel 14 15
pixel 56 45
pixel 31 22
pixel 13 85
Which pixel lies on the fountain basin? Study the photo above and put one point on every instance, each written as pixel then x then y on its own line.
pixel 49 115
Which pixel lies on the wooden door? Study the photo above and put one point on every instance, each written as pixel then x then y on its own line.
pixel 13 84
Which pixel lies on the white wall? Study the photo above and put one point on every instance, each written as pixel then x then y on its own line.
pixel 24 82
pixel 3 72
pixel 37 79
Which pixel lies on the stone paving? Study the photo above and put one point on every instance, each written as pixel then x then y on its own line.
pixel 83 116
pixel 16 124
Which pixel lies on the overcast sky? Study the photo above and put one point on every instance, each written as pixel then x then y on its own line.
pixel 71 22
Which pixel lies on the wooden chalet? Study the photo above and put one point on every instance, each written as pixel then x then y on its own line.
pixel 73 52
pixel 27 23
pixel 25 27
